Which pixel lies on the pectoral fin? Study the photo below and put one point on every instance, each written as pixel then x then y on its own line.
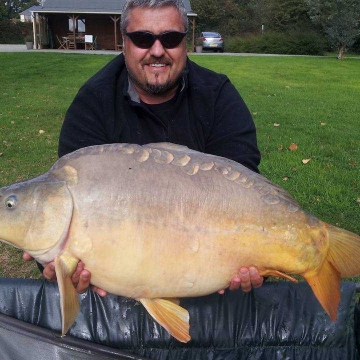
pixel 65 265
pixel 176 301
pixel 277 274
pixel 169 315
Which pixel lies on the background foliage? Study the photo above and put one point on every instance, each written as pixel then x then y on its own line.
pixel 340 20
pixel 294 42
pixel 12 31
pixel 12 9
pixel 333 20
pixel 328 24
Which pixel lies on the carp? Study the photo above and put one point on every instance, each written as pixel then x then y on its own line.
pixel 160 222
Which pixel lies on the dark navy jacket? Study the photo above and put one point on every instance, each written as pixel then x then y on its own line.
pixel 207 115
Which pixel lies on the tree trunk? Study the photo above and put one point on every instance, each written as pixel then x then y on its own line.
pixel 341 55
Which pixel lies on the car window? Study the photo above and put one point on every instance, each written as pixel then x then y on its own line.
pixel 211 34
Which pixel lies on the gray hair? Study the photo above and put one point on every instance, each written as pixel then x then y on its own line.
pixel 130 4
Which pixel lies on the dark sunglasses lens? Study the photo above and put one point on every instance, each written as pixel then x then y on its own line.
pixel 142 39
pixel 171 39
pixel 145 40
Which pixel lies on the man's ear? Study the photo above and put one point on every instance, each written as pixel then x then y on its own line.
pixel 123 44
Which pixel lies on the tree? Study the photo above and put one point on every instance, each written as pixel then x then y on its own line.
pixel 11 9
pixel 208 13
pixel 340 20
pixel 235 17
pixel 285 14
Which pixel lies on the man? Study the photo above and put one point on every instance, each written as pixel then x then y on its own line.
pixel 154 93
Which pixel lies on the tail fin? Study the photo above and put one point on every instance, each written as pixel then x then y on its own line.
pixel 326 286
pixel 344 251
pixel 342 260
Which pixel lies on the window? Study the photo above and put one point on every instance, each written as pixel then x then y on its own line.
pixel 80 25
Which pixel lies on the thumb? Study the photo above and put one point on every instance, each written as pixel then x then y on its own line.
pixel 27 257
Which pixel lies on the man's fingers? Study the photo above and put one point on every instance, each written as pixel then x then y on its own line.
pixel 235 283
pixel 80 277
pixel 245 282
pixel 27 257
pixel 255 278
pixel 99 291
pixel 75 277
pixel 49 272
pixel 84 281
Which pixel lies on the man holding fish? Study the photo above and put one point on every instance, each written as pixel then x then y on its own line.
pixel 152 93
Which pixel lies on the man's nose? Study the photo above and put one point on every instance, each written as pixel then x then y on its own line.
pixel 157 49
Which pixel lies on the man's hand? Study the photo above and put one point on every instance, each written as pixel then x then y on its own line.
pixel 247 279
pixel 80 278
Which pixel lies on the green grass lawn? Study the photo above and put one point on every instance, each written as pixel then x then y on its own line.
pixel 312 102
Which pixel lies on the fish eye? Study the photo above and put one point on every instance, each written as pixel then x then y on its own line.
pixel 11 202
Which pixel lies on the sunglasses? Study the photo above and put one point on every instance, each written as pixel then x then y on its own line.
pixel 145 39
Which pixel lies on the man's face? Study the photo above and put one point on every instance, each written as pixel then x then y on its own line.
pixel 156 70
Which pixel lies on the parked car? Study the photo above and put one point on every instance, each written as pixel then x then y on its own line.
pixel 212 41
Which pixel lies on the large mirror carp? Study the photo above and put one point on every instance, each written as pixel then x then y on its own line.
pixel 159 222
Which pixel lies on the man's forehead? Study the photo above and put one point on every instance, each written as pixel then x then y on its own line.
pixel 155 17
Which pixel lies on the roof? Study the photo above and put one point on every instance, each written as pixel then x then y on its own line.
pixel 30 10
pixel 91 6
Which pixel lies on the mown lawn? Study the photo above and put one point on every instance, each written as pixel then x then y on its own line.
pixel 309 102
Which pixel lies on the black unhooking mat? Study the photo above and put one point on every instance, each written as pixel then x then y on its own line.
pixel 280 320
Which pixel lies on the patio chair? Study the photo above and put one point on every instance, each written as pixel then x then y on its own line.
pixel 71 43
pixel 62 43
pixel 89 42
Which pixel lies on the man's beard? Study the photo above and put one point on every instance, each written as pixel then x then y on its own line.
pixel 155 89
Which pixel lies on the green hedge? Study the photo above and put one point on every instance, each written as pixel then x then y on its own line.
pixel 14 32
pixel 292 42
pixel 356 46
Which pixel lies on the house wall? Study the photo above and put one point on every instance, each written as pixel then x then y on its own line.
pixel 100 26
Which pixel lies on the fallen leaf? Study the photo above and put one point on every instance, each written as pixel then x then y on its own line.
pixel 12 122
pixel 1 154
pixel 323 123
pixel 305 161
pixel 285 178
pixel 280 147
pixel 352 163
pixel 358 201
pixel 255 113
pixel 293 147
pixel 276 124
pixel 41 132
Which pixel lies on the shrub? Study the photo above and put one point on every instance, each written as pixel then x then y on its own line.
pixel 14 32
pixel 356 46
pixel 292 42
